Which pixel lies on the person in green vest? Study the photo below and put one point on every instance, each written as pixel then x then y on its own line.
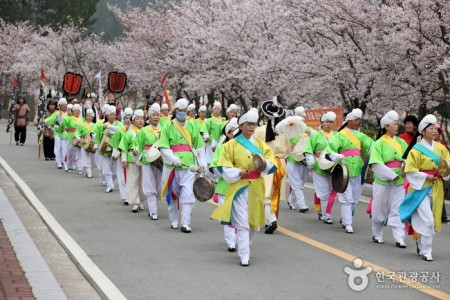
pixel 83 130
pixel 151 171
pixel 130 155
pixel 96 132
pixel 73 153
pixel 191 112
pixel 221 188
pixel 178 145
pixel 388 191
pixel 323 189
pixel 347 146
pixel 212 130
pixel 54 121
pixel 165 118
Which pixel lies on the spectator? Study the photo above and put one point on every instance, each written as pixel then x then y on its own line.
pixel 21 118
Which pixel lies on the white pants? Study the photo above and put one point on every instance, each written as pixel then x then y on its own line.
pixel 322 188
pixel 298 175
pixel 151 186
pixel 349 198
pixel 385 203
pixel 109 169
pixel 229 232
pixel 98 162
pixel 134 184
pixel 121 182
pixel 70 155
pixel 78 159
pixel 422 221
pixel 58 151
pixel 64 143
pixel 239 218
pixel 182 186
pixel 88 161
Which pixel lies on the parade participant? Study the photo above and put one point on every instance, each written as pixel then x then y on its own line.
pixel 21 119
pixel 178 144
pixel 321 179
pixel 165 118
pixel 69 109
pixel 231 112
pixel 73 153
pixel 116 153
pixel 212 129
pixel 228 230
pixel 347 146
pixel 49 139
pixel 84 129
pixel 191 112
pixel 97 131
pixel 410 135
pixel 388 191
pixel 55 121
pixel 108 165
pixel 130 154
pixel 200 119
pixel 422 206
pixel 280 146
pixel 151 172
pixel 244 198
pixel 439 140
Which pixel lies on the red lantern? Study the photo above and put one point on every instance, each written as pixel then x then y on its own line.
pixel 117 82
pixel 72 83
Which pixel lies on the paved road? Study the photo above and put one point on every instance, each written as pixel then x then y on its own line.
pixel 146 259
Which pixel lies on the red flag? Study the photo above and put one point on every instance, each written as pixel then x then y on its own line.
pixel 14 81
pixel 164 80
pixel 43 77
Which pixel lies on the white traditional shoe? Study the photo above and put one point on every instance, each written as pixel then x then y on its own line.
pixel 153 216
pixel 377 240
pixel 174 225
pixel 304 209
pixel 141 206
pixel 348 228
pixel 428 257
pixel 186 229
pixel 400 244
pixel 245 263
pixel 135 208
pixel 89 175
pixel 80 172
pixel 109 190
pixel 103 183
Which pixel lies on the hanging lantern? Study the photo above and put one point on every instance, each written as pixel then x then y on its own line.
pixel 117 82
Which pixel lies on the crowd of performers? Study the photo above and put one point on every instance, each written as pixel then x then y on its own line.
pixel 151 155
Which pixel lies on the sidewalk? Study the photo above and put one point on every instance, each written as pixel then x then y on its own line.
pixel 24 274
pixel 13 283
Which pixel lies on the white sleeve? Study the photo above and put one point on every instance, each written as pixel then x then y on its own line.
pixel 231 175
pixel 216 172
pixel 168 156
pixel 416 179
pixel 205 136
pixel 269 166
pixel 383 172
pixel 60 119
pixel 213 144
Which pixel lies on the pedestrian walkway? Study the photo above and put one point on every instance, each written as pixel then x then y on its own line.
pixel 13 283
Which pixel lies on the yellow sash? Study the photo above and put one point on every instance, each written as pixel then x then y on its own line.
pixel 77 120
pixel 179 126
pixel 218 119
pixel 88 126
pixel 154 131
pixel 166 118
pixel 349 135
pixel 393 143
pixel 135 129
pixel 201 121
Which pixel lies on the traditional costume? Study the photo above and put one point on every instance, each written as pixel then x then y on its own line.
pixel 73 152
pixel 151 171
pixel 323 189
pixel 96 132
pixel 83 130
pixel 130 155
pixel 422 206
pixel 280 146
pixel 244 198
pixel 178 145
pixel 55 120
pixel 191 112
pixel 211 131
pixel 219 194
pixel 388 191
pixel 348 145
pixel 165 118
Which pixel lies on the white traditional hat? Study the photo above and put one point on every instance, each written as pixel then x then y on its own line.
pixel 233 123
pixel 110 110
pixel 191 107
pixel 69 106
pixel 217 104
pixel 250 116
pixel 93 95
pixel 300 111
pixel 155 108
pixel 76 107
pixel 138 113
pixel 388 118
pixel 328 116
pixel 356 113
pixel 164 106
pixel 128 111
pixel 181 103
pixel 105 107
pixel 62 101
pixel 427 120
pixel 232 107
pixel 90 112
pixel 202 108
